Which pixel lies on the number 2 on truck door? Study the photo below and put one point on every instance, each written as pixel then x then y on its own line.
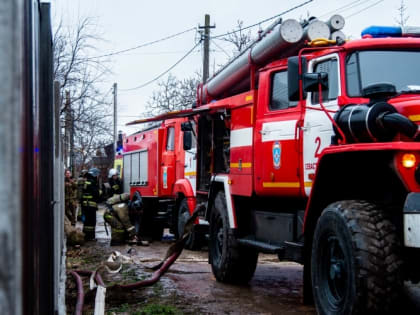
pixel 317 130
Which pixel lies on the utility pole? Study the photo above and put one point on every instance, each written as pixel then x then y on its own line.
pixel 72 168
pixel 67 131
pixel 69 135
pixel 206 46
pixel 115 117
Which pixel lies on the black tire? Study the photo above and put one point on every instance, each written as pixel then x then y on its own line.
pixel 230 263
pixel 148 228
pixel 195 240
pixel 157 231
pixel 356 267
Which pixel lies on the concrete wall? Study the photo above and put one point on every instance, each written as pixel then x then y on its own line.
pixel 11 108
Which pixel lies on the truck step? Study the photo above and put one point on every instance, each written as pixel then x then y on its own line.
pixel 261 246
pixel 292 252
pixel 165 200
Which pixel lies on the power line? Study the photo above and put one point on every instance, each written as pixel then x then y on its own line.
pixel 263 21
pixel 143 45
pixel 364 9
pixel 214 42
pixel 344 7
pixel 157 53
pixel 165 72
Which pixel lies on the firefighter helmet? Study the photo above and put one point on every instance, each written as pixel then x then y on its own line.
pixel 94 172
pixel 112 172
pixel 83 173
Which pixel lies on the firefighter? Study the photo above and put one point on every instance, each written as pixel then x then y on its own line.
pixel 70 197
pixel 117 216
pixel 80 184
pixel 114 182
pixel 90 198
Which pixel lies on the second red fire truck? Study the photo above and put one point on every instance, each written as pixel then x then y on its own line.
pixel 160 169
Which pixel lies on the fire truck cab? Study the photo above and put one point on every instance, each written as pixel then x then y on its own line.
pixel 310 149
pixel 317 162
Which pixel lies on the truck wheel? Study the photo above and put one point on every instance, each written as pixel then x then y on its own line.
pixel 157 231
pixel 194 241
pixel 230 263
pixel 355 264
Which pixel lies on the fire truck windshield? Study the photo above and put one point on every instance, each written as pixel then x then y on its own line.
pixel 400 68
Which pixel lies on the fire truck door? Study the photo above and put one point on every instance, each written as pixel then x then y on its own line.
pixel 277 144
pixel 317 127
pixel 167 169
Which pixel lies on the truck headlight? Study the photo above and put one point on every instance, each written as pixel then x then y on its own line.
pixel 408 160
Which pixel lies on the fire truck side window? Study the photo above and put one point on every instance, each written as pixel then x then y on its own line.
pixel 205 153
pixel 194 137
pixel 170 139
pixel 353 75
pixel 330 67
pixel 279 98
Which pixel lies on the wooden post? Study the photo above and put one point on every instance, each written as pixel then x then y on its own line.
pixel 206 47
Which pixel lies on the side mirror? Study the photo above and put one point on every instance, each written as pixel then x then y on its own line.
pixel 312 80
pixel 187 140
pixel 293 77
pixel 186 126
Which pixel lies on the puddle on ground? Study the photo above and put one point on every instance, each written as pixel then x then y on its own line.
pixel 189 285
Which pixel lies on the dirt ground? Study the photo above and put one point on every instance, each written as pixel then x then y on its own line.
pixel 189 286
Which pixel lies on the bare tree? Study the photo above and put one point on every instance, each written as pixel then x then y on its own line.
pixel 81 75
pixel 173 94
pixel 402 17
pixel 176 94
pixel 93 128
pixel 240 41
pixel 238 37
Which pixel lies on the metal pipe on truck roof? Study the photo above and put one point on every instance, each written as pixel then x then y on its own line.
pixel 336 22
pixel 261 35
pixel 276 42
pixel 316 29
pixel 337 34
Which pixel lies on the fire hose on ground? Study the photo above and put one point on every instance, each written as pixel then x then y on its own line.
pixel 174 251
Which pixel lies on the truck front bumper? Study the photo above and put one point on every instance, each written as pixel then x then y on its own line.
pixel 412 220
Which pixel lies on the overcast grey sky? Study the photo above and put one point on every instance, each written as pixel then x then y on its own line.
pixel 128 23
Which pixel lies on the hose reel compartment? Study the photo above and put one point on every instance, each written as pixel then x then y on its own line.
pixel 374 122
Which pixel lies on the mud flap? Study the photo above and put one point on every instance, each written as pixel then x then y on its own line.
pixel 307 294
pixel 412 220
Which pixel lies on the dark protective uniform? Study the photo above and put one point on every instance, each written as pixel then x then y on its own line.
pixel 70 199
pixel 80 184
pixel 117 216
pixel 90 199
pixel 116 186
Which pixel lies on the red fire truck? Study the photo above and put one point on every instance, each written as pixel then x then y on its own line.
pixel 161 170
pixel 309 149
